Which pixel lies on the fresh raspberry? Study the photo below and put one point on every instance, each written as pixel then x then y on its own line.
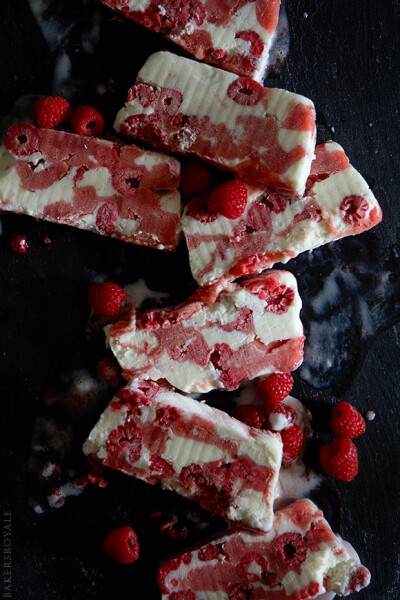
pixel 122 546
pixel 339 459
pixel 346 421
pixel 105 298
pixel 245 91
pixel 21 139
pixel 252 415
pixel 18 244
pixel 197 209
pixel 87 120
pixel 292 440
pixel 280 416
pixel 108 369
pixel 240 591
pixel 290 549
pixel 51 111
pixel 274 388
pixel 196 178
pixel 229 199
pixel 354 208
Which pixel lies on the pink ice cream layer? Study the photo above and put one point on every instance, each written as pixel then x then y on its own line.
pixel 299 559
pixel 116 190
pixel 200 452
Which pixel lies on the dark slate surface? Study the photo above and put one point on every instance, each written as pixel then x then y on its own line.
pixel 344 56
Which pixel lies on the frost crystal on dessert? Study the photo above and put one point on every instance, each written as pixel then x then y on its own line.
pixel 251 328
pixel 235 36
pixel 265 136
pixel 299 559
pixel 200 452
pixel 116 190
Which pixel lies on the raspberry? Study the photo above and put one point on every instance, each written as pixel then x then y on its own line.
pixel 87 120
pixel 229 199
pixel 245 91
pixel 166 416
pixel 240 591
pixel 122 546
pixel 196 178
pixel 346 421
pixel 107 214
pixel 256 44
pixel 192 477
pixel 209 552
pixel 292 440
pixel 280 417
pixel 51 111
pixel 161 466
pixel 274 388
pixel 253 416
pixel 197 209
pixel 127 180
pixel 128 437
pixel 18 244
pixel 108 369
pixel 21 139
pixel 339 459
pixel 291 549
pixel 105 298
pixel 354 208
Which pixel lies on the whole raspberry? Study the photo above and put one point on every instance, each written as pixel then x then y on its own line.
pixel 51 111
pixel 18 244
pixel 108 369
pixel 280 416
pixel 122 546
pixel 196 178
pixel 87 120
pixel 290 549
pixel 105 298
pixel 346 421
pixel 339 459
pixel 229 199
pixel 292 440
pixel 22 139
pixel 251 415
pixel 274 388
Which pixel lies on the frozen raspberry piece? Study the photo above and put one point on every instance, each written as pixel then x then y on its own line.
pixel 282 563
pixel 108 369
pixel 198 209
pixel 280 416
pixel 87 120
pixel 346 421
pixel 252 415
pixel 122 546
pixel 106 298
pixel 274 388
pixel 107 216
pixel 202 453
pixel 18 244
pixel 339 459
pixel 229 199
pixel 245 91
pixel 196 178
pixel 21 139
pixel 354 208
pixel 51 111
pixel 292 440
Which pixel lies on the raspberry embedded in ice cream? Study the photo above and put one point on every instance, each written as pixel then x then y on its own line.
pixel 299 559
pixel 337 203
pixel 265 136
pixel 235 36
pixel 252 329
pixel 198 451
pixel 116 190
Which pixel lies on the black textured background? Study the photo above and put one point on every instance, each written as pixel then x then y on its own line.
pixel 343 55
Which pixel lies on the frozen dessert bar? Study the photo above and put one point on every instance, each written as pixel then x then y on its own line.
pixel 200 452
pixel 253 328
pixel 116 190
pixel 265 136
pixel 337 203
pixel 300 558
pixel 235 36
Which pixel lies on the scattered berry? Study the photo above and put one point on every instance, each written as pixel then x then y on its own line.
pixel 229 199
pixel 196 178
pixel 18 244
pixel 87 120
pixel 106 298
pixel 122 546
pixel 51 111
pixel 292 440
pixel 339 459
pixel 274 388
pixel 251 415
pixel 280 416
pixel 108 370
pixel 346 421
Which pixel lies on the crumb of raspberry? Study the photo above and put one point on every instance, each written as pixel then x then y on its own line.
pixel 292 440
pixel 108 369
pixel 290 549
pixel 339 459
pixel 106 298
pixel 209 552
pixel 229 199
pixel 197 209
pixel 346 421
pixel 51 111
pixel 252 415
pixel 245 91
pixel 87 120
pixel 21 139
pixel 122 546
pixel 280 416
pixel 274 388
pixel 196 178
pixel 18 244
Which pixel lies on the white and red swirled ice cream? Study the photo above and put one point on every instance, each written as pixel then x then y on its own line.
pixel 252 328
pixel 265 136
pixel 337 203
pixel 200 452
pixel 116 190
pixel 300 558
pixel 235 36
